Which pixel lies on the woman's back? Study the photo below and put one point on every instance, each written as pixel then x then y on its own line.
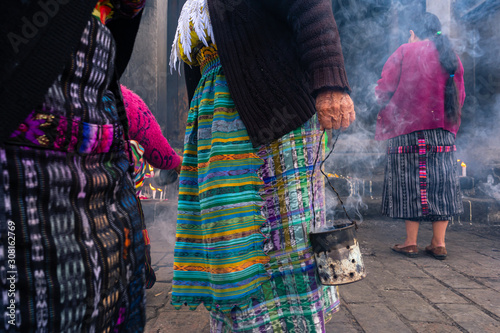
pixel 412 88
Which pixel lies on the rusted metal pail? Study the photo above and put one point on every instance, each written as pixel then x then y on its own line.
pixel 338 256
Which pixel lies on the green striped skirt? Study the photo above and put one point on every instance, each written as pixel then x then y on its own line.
pixel 244 217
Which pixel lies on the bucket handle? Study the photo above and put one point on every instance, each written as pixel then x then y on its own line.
pixel 328 180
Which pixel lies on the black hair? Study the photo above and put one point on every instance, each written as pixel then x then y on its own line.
pixel 429 26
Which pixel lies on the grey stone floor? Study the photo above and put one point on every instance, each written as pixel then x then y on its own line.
pixel 459 294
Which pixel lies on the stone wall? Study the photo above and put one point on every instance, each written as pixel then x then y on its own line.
pixel 147 71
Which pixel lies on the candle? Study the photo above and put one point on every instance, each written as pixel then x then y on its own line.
pixel 161 193
pixel 464 169
pixel 154 191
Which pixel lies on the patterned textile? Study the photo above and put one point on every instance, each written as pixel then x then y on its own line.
pixel 105 9
pixel 416 149
pixel 66 186
pixel 139 164
pixel 218 258
pixel 44 130
pixel 286 295
pixel 421 184
pixel 295 300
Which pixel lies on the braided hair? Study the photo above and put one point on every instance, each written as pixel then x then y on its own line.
pixel 429 26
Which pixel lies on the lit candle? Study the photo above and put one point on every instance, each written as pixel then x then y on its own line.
pixel 161 193
pixel 154 191
pixel 464 169
pixel 151 173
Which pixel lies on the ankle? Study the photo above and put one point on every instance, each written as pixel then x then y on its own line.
pixel 438 244
pixel 409 243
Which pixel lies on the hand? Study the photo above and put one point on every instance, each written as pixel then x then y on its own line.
pixel 178 168
pixel 335 109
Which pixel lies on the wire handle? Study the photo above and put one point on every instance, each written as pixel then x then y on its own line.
pixel 328 180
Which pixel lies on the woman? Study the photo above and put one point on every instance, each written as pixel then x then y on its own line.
pixel 145 130
pixel 245 207
pixel 66 186
pixel 422 90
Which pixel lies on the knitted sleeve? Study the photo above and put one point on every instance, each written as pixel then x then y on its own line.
pixel 391 74
pixel 318 40
pixel 144 129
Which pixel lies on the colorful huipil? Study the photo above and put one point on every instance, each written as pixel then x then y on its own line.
pixel 67 189
pixel 244 214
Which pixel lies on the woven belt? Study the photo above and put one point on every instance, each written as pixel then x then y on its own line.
pixel 208 59
pixel 416 149
pixel 66 134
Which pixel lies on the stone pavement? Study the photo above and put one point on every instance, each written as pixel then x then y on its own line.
pixel 459 294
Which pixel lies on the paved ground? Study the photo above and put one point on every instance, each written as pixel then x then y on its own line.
pixel 460 294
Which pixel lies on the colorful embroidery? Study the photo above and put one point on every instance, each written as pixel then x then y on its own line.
pixel 139 164
pixel 422 151
pixel 53 132
pixel 106 10
pixel 416 149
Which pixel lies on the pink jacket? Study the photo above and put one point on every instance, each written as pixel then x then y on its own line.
pixel 412 90
pixel 144 129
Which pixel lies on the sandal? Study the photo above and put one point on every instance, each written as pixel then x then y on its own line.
pixel 409 251
pixel 438 252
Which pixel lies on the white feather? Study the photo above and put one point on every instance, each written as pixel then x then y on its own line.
pixel 193 12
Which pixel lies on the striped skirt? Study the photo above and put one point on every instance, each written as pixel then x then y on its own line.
pixel 244 217
pixel 421 177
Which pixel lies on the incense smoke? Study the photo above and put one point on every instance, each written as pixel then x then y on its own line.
pixel 370 32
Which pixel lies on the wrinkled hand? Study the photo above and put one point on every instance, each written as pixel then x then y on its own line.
pixel 178 168
pixel 335 109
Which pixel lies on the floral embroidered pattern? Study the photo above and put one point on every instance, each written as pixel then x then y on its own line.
pixel 31 131
pixel 71 135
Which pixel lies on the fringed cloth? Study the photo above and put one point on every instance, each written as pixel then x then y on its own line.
pixel 218 258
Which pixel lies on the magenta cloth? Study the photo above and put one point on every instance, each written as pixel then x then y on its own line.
pixel 412 89
pixel 144 129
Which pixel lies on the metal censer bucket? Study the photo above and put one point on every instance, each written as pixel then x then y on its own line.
pixel 338 255
pixel 337 251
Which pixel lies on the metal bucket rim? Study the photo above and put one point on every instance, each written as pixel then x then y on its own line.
pixel 334 230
